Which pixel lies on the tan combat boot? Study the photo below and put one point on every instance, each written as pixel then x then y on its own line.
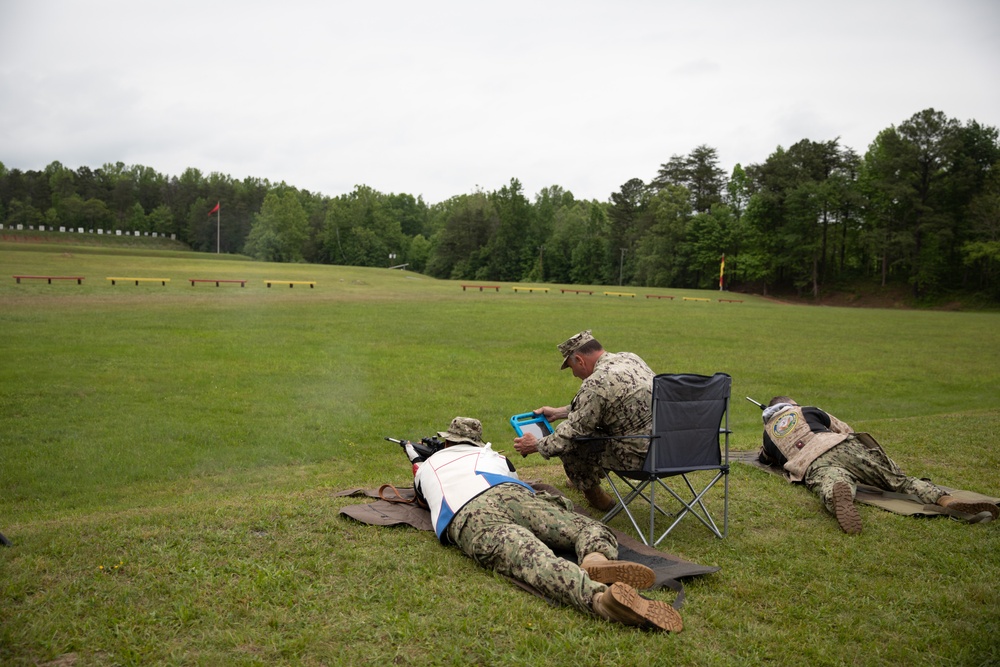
pixel 954 503
pixel 622 604
pixel 599 499
pixel 844 509
pixel 600 569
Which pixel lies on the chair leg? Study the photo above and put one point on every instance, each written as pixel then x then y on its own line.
pixel 725 505
pixel 706 520
pixel 625 500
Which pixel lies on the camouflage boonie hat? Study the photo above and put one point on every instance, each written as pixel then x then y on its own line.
pixel 464 429
pixel 572 345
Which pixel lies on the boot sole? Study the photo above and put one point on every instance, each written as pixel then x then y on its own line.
pixel 844 509
pixel 653 613
pixel 974 507
pixel 636 575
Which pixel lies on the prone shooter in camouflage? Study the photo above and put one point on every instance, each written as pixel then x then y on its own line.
pixel 478 503
pixel 825 454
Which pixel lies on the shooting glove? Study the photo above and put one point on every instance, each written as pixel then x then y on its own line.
pixel 412 453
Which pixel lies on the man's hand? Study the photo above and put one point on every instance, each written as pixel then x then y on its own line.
pixel 412 453
pixel 553 414
pixel 526 444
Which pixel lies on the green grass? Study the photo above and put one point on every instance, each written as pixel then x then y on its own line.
pixel 169 458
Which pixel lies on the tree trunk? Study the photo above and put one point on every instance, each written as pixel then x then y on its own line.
pixel 815 277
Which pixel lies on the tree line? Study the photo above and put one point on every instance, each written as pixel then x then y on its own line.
pixel 921 207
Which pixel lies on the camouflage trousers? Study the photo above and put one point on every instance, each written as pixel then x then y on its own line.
pixel 513 531
pixel 584 464
pixel 852 462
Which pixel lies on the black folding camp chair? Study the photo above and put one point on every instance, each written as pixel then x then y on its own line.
pixel 690 413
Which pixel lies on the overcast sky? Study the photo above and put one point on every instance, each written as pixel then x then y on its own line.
pixel 440 98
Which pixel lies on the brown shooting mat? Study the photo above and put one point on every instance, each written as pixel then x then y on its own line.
pixel 394 507
pixel 897 503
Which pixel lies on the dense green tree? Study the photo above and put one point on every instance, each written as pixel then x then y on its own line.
pixel 62 183
pixel 929 142
pixel 362 229
pixel 410 212
pixel 148 186
pixel 800 195
pixel 280 230
pixel 982 252
pixel 590 251
pixel 418 253
pixel 19 213
pixel 469 222
pixel 887 238
pixel 660 259
pixel 699 172
pixel 919 181
pixel 626 218
pixel 711 236
pixel 161 221
pixel 549 203
pixel 567 222
pixel 738 190
pixel 135 221
pixel 510 251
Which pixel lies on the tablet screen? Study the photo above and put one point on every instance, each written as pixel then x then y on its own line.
pixel 528 422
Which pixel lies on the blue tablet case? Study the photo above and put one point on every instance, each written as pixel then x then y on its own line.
pixel 529 422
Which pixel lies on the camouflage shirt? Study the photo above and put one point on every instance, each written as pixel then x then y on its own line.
pixel 615 400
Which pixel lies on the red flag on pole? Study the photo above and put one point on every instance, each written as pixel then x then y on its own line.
pixel 214 209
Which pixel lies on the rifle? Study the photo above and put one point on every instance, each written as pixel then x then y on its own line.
pixel 421 451
pixel 759 405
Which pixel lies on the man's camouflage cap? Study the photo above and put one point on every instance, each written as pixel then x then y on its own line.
pixel 572 345
pixel 464 429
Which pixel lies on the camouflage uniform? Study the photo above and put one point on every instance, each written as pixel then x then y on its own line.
pixel 818 449
pixel 855 463
pixel 510 529
pixel 615 400
pixel 478 503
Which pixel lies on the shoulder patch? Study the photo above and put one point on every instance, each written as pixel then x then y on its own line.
pixel 785 424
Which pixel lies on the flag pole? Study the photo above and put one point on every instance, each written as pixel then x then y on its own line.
pixel 722 271
pixel 218 226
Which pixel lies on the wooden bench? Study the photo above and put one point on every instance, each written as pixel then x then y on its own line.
pixel 162 281
pixel 292 283
pixel 659 296
pixel 242 283
pixel 631 294
pixel 78 279
pixel 482 287
pixel 695 298
pixel 732 300
pixel 578 291
pixel 531 289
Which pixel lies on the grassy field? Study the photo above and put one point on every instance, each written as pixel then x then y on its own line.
pixel 170 455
